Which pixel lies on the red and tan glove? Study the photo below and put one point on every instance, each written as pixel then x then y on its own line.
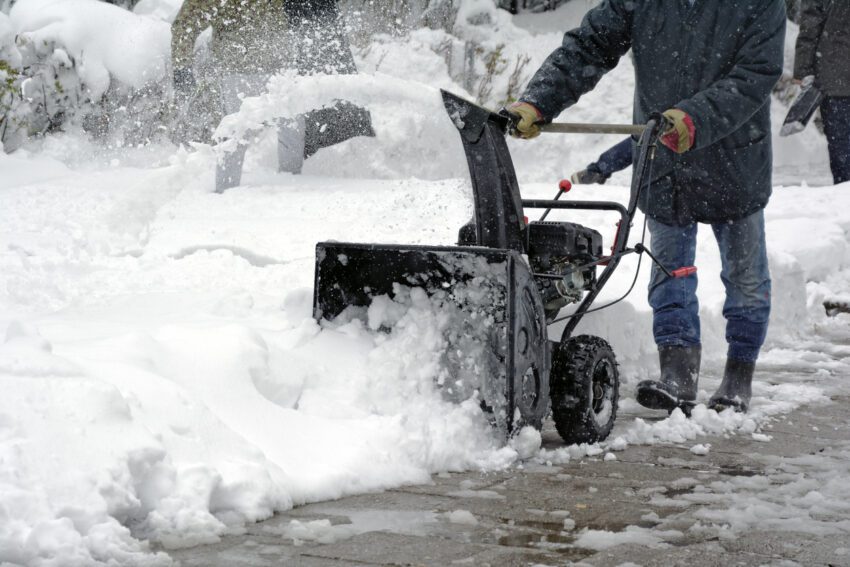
pixel 680 133
pixel 529 122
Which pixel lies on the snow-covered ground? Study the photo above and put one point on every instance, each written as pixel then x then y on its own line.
pixel 162 376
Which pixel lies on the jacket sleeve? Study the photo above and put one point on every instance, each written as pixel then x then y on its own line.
pixel 193 18
pixel 728 103
pixel 812 21
pixel 587 53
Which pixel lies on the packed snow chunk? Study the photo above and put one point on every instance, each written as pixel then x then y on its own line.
pixel 701 449
pixel 527 442
pixel 602 539
pixel 464 517
pixel 386 312
pixel 564 455
pixel 320 531
pixel 106 41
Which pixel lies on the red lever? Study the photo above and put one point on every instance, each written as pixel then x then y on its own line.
pixel 565 185
pixel 684 272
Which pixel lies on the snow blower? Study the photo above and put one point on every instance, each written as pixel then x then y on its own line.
pixel 504 284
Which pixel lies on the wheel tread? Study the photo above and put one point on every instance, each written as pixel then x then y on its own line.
pixel 571 376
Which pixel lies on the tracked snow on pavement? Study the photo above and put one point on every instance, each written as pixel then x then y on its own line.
pixel 164 381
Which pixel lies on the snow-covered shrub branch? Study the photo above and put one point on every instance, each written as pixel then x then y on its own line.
pixel 472 36
pixel 81 61
pixel 39 86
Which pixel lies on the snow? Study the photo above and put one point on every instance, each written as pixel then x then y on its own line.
pixel 701 449
pixel 464 517
pixel 164 381
pixel 8 51
pixel 107 41
pixel 602 539
pixel 526 443
pixel 803 494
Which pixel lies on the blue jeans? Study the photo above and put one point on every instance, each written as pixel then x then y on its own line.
pixel 745 275
pixel 836 123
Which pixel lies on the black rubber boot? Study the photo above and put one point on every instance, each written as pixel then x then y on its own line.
pixel 679 378
pixel 736 389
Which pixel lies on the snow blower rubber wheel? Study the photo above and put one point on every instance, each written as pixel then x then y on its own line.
pixel 585 389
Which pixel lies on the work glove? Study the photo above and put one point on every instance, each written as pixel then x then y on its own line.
pixel 679 133
pixel 184 84
pixel 588 176
pixel 529 119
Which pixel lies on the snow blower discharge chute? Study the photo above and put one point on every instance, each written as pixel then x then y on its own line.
pixel 504 284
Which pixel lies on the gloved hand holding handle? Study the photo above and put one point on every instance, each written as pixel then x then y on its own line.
pixel 527 120
pixel 679 133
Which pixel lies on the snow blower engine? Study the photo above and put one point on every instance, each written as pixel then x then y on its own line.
pixel 499 290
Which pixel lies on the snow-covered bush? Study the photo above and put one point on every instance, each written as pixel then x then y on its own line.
pixel 81 61
pixel 10 72
pixel 40 87
pixel 472 36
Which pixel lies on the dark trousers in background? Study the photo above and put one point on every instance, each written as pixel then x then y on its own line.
pixel 836 123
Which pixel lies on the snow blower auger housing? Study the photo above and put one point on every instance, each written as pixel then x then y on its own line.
pixel 500 288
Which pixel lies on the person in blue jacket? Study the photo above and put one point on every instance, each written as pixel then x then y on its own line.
pixel 612 160
pixel 709 66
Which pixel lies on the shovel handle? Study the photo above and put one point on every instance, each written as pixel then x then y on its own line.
pixel 575 128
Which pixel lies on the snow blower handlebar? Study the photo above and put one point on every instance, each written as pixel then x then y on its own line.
pixel 634 130
pixel 575 128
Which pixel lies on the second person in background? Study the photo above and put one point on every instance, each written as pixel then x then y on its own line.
pixel 823 51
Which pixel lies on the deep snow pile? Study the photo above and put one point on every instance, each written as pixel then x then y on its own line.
pixel 163 377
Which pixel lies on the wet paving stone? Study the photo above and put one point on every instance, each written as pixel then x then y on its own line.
pixel 537 514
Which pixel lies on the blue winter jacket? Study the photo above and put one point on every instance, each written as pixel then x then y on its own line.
pixel 717 60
